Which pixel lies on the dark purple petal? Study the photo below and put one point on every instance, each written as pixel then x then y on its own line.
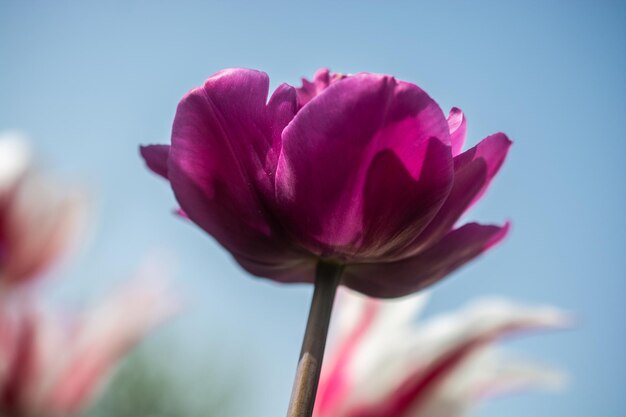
pixel 398 207
pixel 288 270
pixel 346 156
pixel 395 279
pixel 458 130
pixel 156 158
pixel 281 108
pixel 222 159
pixel 490 153
pixel 473 171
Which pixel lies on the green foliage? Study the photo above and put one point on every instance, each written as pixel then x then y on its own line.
pixel 148 385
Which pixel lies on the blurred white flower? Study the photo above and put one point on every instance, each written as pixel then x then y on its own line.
pixel 52 363
pixel 379 363
pixel 39 218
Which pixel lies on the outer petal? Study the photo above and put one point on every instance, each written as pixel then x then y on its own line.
pixel 489 153
pixel 156 157
pixel 15 160
pixel 220 163
pixel 41 221
pixel 473 171
pixel 348 332
pixel 492 373
pixel 430 390
pixel 17 384
pixel 364 332
pixel 7 344
pixel 56 361
pixel 348 153
pixel 103 337
pixel 458 130
pixel 395 279
pixel 287 270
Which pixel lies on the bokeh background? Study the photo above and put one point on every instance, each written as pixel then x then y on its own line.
pixel 90 82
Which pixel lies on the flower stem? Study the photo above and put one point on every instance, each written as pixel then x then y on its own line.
pixel 327 279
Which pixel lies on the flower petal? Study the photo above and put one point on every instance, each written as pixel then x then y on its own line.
pixel 41 221
pixel 427 390
pixel 349 331
pixel 156 157
pixel 309 89
pixel 363 331
pixel 321 80
pixel 104 335
pixel 490 153
pixel 458 130
pixel 17 386
pixel 15 159
pixel 395 279
pixel 493 373
pixel 220 163
pixel 473 171
pixel 281 108
pixel 291 269
pixel 346 155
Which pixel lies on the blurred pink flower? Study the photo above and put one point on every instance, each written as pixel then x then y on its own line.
pixel 361 170
pixel 52 364
pixel 39 219
pixel 381 364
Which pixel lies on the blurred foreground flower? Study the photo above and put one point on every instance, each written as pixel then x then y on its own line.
pixel 363 172
pixel 383 365
pixel 51 364
pixel 38 218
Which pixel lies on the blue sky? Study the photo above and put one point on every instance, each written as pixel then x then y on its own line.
pixel 89 83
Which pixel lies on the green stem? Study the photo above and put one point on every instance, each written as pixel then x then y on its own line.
pixel 327 279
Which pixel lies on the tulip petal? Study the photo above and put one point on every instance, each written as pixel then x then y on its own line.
pixel 281 108
pixel 458 130
pixel 474 170
pixel 352 149
pixel 397 207
pixel 156 157
pixel 309 89
pixel 16 390
pixel 290 270
pixel 104 335
pixel 492 373
pixel 489 152
pixel 15 159
pixel 42 221
pixel 395 279
pixel 335 379
pixel 220 165
pixel 363 330
pixel 321 80
pixel 428 390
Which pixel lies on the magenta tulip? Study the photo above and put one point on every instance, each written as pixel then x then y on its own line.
pixel 362 171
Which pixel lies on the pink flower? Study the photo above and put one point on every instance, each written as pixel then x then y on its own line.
pixel 38 218
pixel 362 170
pixel 52 364
pixel 380 364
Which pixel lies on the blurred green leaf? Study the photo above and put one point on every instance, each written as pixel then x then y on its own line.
pixel 148 384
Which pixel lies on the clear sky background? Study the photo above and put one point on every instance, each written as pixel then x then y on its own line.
pixel 89 83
